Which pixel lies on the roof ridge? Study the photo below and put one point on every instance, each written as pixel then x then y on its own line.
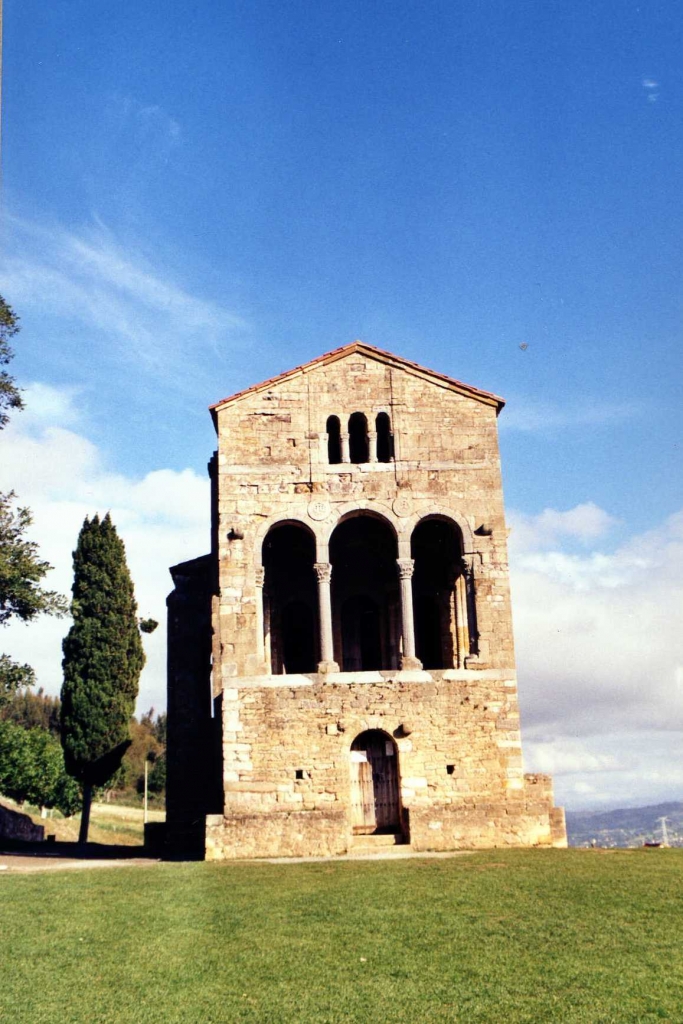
pixel 358 345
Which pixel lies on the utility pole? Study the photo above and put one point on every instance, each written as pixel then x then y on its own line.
pixel 144 817
pixel 665 834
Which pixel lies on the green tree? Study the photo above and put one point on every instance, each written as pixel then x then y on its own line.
pixel 32 769
pixel 21 569
pixel 103 659
pixel 21 594
pixel 10 395
pixel 33 711
pixel 12 677
pixel 157 776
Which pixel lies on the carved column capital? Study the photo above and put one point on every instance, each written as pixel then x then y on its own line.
pixel 323 571
pixel 260 576
pixel 467 564
pixel 406 567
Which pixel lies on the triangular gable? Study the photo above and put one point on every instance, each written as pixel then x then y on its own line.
pixel 388 358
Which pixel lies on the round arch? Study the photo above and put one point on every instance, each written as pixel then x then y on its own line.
pixel 358 508
pixel 408 524
pixel 283 519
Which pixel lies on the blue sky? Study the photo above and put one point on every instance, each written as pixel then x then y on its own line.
pixel 198 196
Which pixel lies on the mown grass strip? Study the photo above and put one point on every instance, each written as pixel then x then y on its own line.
pixel 522 936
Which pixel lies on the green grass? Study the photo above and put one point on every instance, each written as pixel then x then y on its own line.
pixel 504 937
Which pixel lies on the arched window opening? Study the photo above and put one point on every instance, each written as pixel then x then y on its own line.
pixel 359 449
pixel 375 803
pixel 290 599
pixel 385 440
pixel 334 451
pixel 365 595
pixel 436 546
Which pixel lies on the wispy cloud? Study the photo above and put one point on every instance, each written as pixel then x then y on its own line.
pixel 651 88
pixel 531 416
pixel 149 121
pixel 90 278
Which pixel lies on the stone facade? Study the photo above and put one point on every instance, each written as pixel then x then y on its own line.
pixel 342 664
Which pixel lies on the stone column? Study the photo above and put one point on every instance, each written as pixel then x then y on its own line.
pixel 323 571
pixel 345 451
pixel 462 629
pixel 406 567
pixel 259 580
pixel 469 590
pixel 372 446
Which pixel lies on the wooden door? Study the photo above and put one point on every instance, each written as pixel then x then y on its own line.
pixel 374 783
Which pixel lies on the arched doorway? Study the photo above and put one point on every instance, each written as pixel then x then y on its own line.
pixel 365 594
pixel 290 599
pixel 375 804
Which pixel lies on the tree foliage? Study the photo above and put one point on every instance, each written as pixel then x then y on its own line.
pixel 32 769
pixel 103 658
pixel 12 677
pixel 157 776
pixel 10 395
pixel 21 569
pixel 33 711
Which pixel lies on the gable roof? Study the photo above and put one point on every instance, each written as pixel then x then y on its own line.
pixel 361 348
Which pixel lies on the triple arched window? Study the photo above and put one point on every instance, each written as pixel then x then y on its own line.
pixel 359 444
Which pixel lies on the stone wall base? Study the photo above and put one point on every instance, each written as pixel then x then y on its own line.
pixel 318 833
pixel 486 826
pixel 15 825
pixel 326 833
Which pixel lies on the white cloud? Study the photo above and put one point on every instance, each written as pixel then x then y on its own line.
pixel 599 647
pixel 138 309
pixel 48 405
pixel 585 523
pixel 162 519
pixel 651 86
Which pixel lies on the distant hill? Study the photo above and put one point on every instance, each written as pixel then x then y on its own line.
pixel 625 826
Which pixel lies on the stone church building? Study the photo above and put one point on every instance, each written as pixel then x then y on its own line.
pixel 341 665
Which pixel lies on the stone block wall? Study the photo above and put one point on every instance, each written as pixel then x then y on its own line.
pixel 272 465
pixel 286 755
pixel 15 825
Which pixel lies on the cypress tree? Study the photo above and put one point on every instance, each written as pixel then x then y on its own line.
pixel 103 658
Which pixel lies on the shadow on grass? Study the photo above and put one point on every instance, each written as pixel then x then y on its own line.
pixel 80 851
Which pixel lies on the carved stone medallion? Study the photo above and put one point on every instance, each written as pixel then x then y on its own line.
pixel 319 509
pixel 402 506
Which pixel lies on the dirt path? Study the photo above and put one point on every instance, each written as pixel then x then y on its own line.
pixel 28 864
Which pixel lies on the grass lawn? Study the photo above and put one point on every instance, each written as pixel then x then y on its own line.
pixel 561 936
